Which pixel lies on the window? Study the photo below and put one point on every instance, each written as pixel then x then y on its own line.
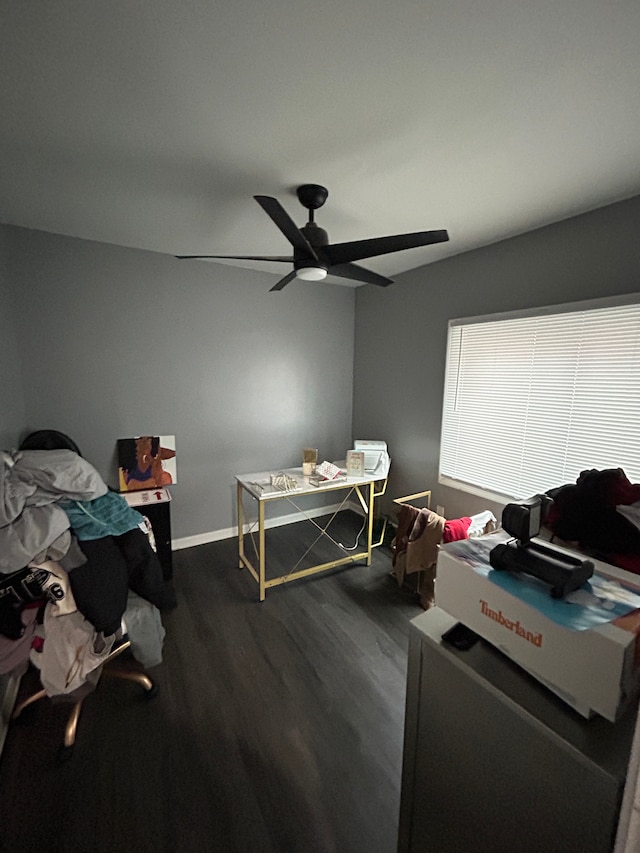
pixel 532 399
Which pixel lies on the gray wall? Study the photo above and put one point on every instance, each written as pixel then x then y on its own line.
pixel 12 406
pixel 12 418
pixel 117 342
pixel 401 332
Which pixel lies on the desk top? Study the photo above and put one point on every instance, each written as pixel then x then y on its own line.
pixel 604 743
pixel 259 484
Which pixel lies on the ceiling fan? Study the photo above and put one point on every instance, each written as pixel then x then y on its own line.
pixel 314 257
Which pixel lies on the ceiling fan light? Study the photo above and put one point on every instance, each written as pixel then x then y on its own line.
pixel 311 273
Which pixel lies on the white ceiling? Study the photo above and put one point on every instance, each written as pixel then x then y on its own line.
pixel 152 123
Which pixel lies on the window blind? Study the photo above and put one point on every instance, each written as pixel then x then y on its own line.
pixel 531 400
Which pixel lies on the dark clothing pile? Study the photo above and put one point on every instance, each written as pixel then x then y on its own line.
pixel 59 520
pixel 588 513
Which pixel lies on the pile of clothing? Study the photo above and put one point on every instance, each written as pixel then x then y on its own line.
pixel 419 534
pixel 600 515
pixel 77 572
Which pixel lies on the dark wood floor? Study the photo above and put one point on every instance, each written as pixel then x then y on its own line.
pixel 278 726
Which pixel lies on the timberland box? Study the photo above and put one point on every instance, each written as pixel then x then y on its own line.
pixel 585 647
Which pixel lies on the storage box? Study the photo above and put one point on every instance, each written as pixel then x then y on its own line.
pixel 583 647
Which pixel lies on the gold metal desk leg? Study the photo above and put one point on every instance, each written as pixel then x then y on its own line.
pixel 262 555
pixel 240 525
pixel 370 525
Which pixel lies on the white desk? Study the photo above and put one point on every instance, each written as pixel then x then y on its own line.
pixel 248 485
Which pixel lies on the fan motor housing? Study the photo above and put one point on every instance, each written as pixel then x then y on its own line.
pixel 317 236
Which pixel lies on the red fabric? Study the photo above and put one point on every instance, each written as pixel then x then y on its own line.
pixel 625 493
pixel 611 486
pixel 456 529
pixel 586 513
pixel 628 562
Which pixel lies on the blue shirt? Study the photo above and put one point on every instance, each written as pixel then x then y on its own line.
pixel 108 515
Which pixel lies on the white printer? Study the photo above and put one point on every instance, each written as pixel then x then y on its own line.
pixel 374 453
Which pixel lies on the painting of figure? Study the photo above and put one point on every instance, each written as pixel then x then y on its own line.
pixel 146 462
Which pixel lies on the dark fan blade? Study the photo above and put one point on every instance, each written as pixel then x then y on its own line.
pixel 359 274
pixel 283 281
pixel 282 258
pixel 285 223
pixel 342 253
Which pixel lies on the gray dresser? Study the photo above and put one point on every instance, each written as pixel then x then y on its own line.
pixel 493 761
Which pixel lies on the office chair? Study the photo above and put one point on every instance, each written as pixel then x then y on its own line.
pixel 66 749
pixel 55 440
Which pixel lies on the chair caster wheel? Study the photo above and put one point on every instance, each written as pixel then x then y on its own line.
pixel 26 716
pixel 65 753
pixel 153 691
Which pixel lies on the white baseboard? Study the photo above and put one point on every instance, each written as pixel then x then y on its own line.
pixel 229 532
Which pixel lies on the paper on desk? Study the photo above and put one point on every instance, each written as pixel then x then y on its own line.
pixel 273 486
